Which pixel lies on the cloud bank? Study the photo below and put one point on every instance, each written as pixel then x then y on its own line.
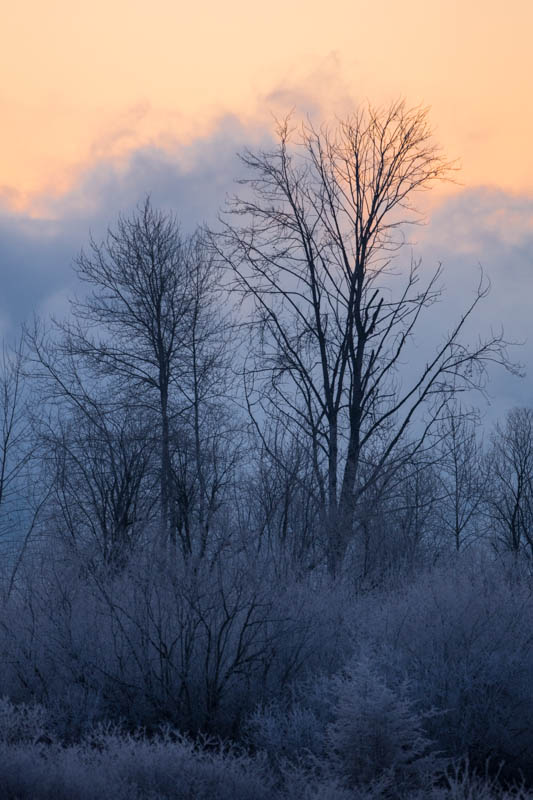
pixel 472 227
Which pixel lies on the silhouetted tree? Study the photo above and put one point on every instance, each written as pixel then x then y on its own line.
pixel 309 245
pixel 134 323
pixel 148 340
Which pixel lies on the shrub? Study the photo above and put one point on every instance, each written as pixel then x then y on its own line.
pixel 464 637
pixel 378 733
pixel 126 767
pixel 286 734
pixel 197 646
pixel 21 724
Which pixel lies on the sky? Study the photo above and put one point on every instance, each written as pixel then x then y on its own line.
pixel 102 102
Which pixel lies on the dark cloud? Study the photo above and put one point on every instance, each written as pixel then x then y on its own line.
pixel 191 180
pixel 36 254
pixel 35 260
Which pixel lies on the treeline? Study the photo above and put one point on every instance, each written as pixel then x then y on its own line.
pixel 86 471
pixel 235 502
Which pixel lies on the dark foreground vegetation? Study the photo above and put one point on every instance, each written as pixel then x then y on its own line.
pixel 255 542
pixel 170 685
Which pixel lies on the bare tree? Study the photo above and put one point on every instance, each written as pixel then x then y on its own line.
pixel 134 322
pixel 280 503
pixel 22 496
pixel 147 340
pixel 104 487
pixel 205 447
pixel 460 477
pixel 14 431
pixel 95 446
pixel 509 487
pixel 310 246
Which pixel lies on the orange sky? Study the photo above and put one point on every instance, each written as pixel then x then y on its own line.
pixel 82 80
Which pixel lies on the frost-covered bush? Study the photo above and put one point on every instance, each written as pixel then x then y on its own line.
pixel 112 766
pixel 378 733
pixel 121 767
pixel 464 783
pixel 448 657
pixel 352 727
pixel 21 724
pixel 109 765
pixel 351 693
pixel 289 733
pixel 197 646
pixel 464 638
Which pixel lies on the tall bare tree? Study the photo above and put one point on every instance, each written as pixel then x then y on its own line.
pixel 310 245
pixel 134 322
pixel 148 338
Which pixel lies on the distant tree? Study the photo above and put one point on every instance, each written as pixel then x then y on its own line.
pixel 460 477
pixel 22 497
pixel 509 484
pixel 103 493
pixel 14 423
pixel 280 505
pixel 310 246
pixel 205 445
pixel 395 520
